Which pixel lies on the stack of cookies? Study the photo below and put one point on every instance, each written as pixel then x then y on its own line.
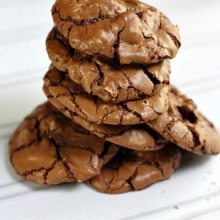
pixel 112 118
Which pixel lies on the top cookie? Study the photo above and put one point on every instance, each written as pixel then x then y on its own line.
pixel 122 30
pixel 185 126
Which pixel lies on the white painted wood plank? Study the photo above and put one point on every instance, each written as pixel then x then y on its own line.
pixel 15 16
pixel 18 100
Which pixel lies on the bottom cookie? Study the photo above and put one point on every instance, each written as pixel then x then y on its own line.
pixel 48 148
pixel 131 170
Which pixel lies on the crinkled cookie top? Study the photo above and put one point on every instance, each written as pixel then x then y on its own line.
pixel 48 148
pixel 125 31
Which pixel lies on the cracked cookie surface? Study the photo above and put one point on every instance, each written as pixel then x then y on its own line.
pixel 48 148
pixel 108 81
pixel 185 126
pixel 131 171
pixel 74 98
pixel 138 137
pixel 122 30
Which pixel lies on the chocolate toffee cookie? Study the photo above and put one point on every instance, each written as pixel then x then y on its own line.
pixel 73 97
pixel 48 148
pixel 122 30
pixel 109 81
pixel 140 137
pixel 131 171
pixel 185 126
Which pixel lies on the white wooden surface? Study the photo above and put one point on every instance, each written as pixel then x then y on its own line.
pixel 193 192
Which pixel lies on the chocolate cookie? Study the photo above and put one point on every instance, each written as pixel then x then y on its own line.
pixel 185 126
pixel 108 81
pixel 129 171
pixel 48 148
pixel 139 137
pixel 126 31
pixel 73 97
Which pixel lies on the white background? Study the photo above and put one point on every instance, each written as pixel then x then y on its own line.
pixel 193 192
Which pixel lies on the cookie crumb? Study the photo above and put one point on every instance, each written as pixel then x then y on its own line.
pixel 176 207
